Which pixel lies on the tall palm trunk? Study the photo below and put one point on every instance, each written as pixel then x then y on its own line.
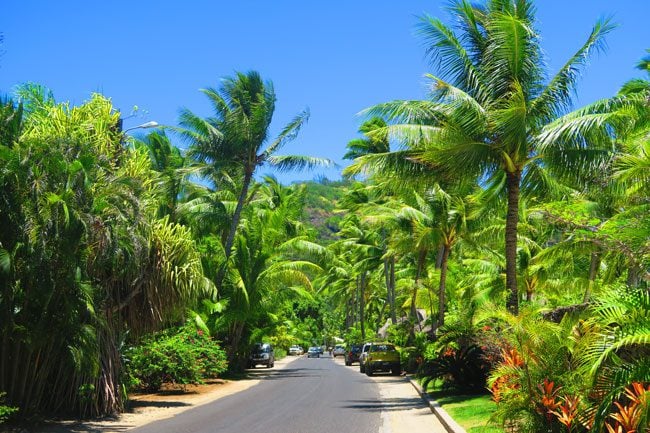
pixel 421 261
pixel 389 276
pixel 248 176
pixel 443 283
pixel 393 314
pixel 234 359
pixel 512 219
pixel 362 304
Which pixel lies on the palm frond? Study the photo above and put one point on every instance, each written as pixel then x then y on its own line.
pixel 297 162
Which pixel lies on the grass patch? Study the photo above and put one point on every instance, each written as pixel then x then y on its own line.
pixel 472 412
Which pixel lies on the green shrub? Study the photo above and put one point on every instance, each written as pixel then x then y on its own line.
pixel 464 369
pixel 5 411
pixel 177 356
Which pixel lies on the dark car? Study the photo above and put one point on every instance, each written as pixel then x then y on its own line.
pixel 352 354
pixel 313 352
pixel 261 353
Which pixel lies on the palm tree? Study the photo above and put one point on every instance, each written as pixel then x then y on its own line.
pixel 376 140
pixel 167 161
pixel 235 139
pixel 633 163
pixel 267 265
pixel 441 220
pixel 493 116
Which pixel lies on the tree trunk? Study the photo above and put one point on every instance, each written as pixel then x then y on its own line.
pixel 393 314
pixel 441 251
pixel 512 220
pixel 389 276
pixel 593 273
pixel 633 276
pixel 442 288
pixel 421 260
pixel 362 304
pixel 248 176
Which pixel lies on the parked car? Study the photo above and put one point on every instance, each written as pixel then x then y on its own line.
pixel 352 354
pixel 313 352
pixel 320 349
pixel 362 357
pixel 382 357
pixel 338 351
pixel 261 353
pixel 296 350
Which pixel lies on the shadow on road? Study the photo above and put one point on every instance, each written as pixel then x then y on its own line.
pixel 390 404
pixel 282 374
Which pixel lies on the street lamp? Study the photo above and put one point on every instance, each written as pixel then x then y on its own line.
pixel 151 124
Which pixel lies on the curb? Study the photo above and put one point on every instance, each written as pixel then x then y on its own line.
pixel 445 419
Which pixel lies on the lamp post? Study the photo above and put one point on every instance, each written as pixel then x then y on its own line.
pixel 151 124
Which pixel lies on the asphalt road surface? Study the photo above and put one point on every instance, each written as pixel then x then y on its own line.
pixel 314 395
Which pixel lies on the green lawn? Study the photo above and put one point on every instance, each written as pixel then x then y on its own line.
pixel 472 412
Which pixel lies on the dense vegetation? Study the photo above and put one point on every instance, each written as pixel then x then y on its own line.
pixel 499 238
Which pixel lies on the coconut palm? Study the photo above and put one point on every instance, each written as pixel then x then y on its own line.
pixel 376 140
pixel 236 138
pixel 439 221
pixel 266 266
pixel 493 116
pixel 167 161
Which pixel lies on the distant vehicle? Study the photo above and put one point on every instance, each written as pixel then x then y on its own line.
pixel 362 357
pixel 313 352
pixel 296 350
pixel 338 351
pixel 320 349
pixel 261 353
pixel 382 357
pixel 352 354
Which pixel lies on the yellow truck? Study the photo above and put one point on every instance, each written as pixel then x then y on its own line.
pixel 382 357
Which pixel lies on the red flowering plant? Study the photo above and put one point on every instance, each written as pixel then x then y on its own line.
pixel 631 415
pixel 548 401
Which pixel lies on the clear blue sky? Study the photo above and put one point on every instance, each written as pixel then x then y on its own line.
pixel 335 57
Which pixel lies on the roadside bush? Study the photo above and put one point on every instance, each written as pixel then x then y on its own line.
pixel 5 411
pixel 178 356
pixel 462 369
pixel 411 358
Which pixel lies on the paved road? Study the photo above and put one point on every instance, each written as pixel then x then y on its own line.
pixel 314 395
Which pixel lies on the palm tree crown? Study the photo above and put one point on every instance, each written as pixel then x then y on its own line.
pixel 492 114
pixel 234 140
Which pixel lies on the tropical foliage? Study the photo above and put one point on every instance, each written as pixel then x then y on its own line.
pixel 499 238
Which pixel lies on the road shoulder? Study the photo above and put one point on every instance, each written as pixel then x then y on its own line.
pixel 147 408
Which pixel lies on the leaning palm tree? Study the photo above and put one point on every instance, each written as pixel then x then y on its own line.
pixel 492 114
pixel 236 139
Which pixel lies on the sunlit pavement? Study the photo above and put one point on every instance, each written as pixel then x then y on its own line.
pixel 403 411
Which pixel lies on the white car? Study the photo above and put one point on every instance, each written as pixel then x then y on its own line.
pixel 296 350
pixel 338 351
